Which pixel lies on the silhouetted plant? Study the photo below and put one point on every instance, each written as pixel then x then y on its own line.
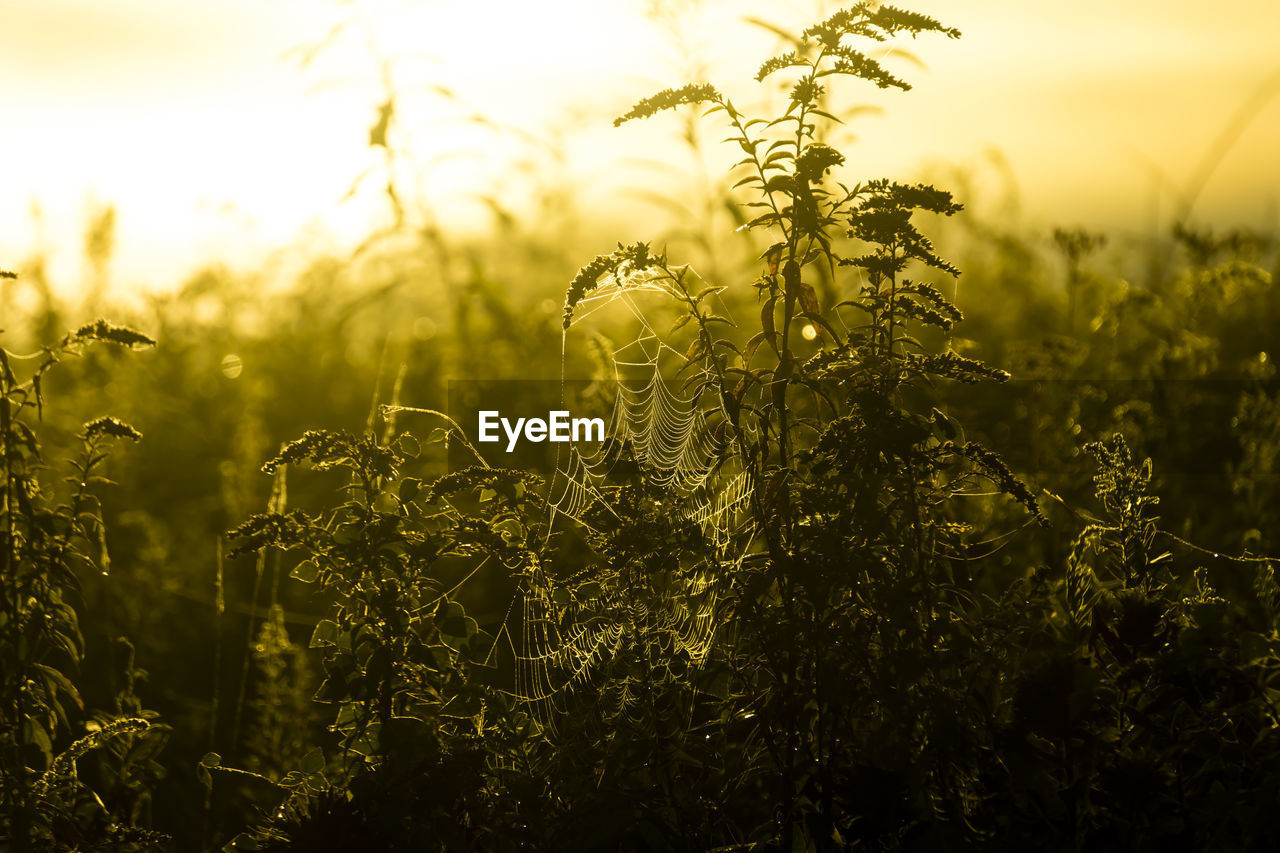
pixel 51 801
pixel 824 632
pixel 403 661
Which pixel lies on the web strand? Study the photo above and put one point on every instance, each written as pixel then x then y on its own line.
pixel 662 438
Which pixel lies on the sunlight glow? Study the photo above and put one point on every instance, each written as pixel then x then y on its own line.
pixel 214 138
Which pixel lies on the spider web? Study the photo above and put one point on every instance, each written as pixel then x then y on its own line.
pixel 671 445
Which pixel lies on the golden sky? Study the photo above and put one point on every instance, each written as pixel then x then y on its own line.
pixel 215 143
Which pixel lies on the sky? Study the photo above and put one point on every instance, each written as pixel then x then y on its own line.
pixel 203 125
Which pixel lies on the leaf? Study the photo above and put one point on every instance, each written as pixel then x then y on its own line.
pixel 782 183
pixel 369 743
pixel 711 290
pixel 456 627
pixel 766 323
pixel 461 707
pixel 409 489
pixel 34 733
pixel 791 279
pixel 332 689
pixel 313 761
pixel 442 656
pixel 347 534
pixel 325 634
pixel 211 760
pixel 780 379
pixel 510 530
pixel 306 571
pixel 945 427
pixel 763 219
pixel 772 256
pixel 57 681
pixel 808 299
pixel 408 446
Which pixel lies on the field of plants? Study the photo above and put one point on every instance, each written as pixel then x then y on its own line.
pixel 915 528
